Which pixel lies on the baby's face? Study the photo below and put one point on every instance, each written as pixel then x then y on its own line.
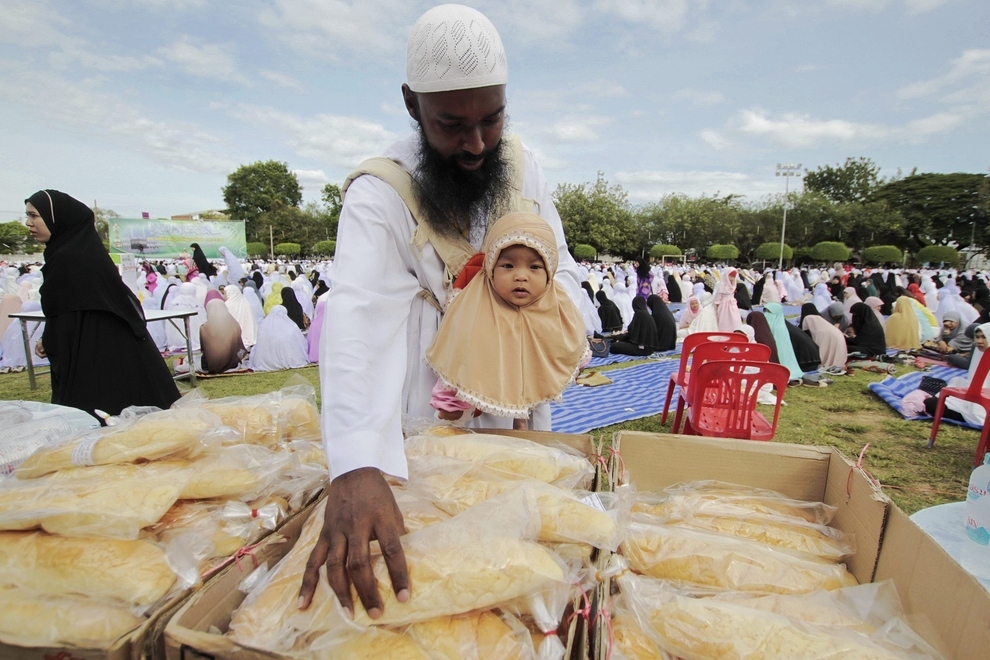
pixel 520 276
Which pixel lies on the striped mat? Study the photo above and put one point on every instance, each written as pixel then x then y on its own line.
pixel 615 359
pixel 892 390
pixel 635 392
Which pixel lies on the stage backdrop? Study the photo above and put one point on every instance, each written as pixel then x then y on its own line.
pixel 164 239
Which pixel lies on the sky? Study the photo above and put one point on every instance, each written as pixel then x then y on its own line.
pixel 147 105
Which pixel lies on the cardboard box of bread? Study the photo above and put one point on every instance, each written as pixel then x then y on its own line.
pixel 103 532
pixel 500 530
pixel 738 549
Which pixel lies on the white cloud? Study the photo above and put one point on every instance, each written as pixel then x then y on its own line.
pixel 581 128
pixel 650 185
pixel 546 22
pixel 698 97
pixel 913 6
pixel 714 139
pixel 208 61
pixel 312 179
pixel 940 122
pixel 281 79
pixel 664 15
pixel 331 139
pixel 973 63
pixel 792 130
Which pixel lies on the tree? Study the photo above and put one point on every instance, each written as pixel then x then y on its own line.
pixel 260 188
pixel 694 223
pixel 939 208
pixel 771 251
pixel 14 236
pixel 324 248
pixel 584 251
pixel 881 254
pixel 333 203
pixel 288 249
pixel 663 249
pixel 102 219
pixel 938 254
pixel 830 251
pixel 722 252
pixel 257 249
pixel 846 184
pixel 598 215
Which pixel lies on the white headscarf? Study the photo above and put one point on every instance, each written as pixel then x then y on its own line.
pixel 185 299
pixel 281 344
pixel 239 307
pixel 235 271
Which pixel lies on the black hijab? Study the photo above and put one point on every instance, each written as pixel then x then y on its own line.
pixel 808 309
pixel 292 306
pixel 761 328
pixel 78 272
pixel 664 320
pixel 805 348
pixel 743 300
pixel 757 296
pixel 202 263
pixel 869 337
pixel 587 289
pixel 608 312
pixel 642 329
pixel 673 289
pixel 258 278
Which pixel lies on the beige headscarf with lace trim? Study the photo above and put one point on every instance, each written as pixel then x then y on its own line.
pixel 504 359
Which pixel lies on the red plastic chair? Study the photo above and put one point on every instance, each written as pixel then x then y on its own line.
pixel 692 341
pixel 974 394
pixel 724 396
pixel 709 352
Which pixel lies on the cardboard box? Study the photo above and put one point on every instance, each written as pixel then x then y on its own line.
pixel 946 604
pixel 192 632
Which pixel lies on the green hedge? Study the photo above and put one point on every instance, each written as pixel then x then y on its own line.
pixel 584 251
pixel 324 248
pixel 288 249
pixel 937 254
pixel 722 252
pixel 665 250
pixel 770 251
pixel 830 251
pixel 257 250
pixel 881 254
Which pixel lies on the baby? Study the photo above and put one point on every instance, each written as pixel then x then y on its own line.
pixel 512 339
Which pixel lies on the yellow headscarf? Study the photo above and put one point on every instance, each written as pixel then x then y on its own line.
pixel 503 359
pixel 274 297
pixel 902 326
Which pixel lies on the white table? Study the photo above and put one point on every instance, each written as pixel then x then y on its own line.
pixel 151 315
pixel 946 524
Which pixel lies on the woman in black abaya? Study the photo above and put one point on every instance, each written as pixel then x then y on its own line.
pixel 869 337
pixel 102 357
pixel 609 313
pixel 203 265
pixel 664 320
pixel 294 309
pixel 641 338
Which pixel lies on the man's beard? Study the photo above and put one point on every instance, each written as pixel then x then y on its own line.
pixel 451 198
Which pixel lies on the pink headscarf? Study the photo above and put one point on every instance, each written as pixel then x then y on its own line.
pixel 152 282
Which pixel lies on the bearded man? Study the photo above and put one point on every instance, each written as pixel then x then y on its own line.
pixel 409 222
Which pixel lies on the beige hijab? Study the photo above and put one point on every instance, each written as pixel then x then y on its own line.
pixel 902 326
pixel 220 338
pixel 11 304
pixel 503 359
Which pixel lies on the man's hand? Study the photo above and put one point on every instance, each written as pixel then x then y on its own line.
pixel 39 350
pixel 360 509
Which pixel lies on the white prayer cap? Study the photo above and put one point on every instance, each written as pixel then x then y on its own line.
pixel 454 47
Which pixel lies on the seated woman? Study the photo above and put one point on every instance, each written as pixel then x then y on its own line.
pixel 762 333
pixel 281 344
pixel 641 338
pixel 706 321
pixel 829 339
pixel 955 408
pixel 867 334
pixel 689 314
pixel 953 341
pixel 774 314
pixel 664 320
pixel 220 338
pixel 902 329
pixel 608 312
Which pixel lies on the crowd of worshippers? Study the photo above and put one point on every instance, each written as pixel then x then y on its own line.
pixel 848 318
pixel 263 316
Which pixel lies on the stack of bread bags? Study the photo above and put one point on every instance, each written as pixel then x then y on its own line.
pixel 714 570
pixel 498 529
pixel 97 531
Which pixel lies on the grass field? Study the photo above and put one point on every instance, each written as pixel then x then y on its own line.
pixel 845 415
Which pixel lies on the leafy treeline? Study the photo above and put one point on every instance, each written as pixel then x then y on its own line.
pixel 847 204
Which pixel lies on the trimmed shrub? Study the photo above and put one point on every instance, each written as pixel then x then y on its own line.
pixel 722 252
pixel 881 254
pixel 257 250
pixel 771 251
pixel 830 251
pixel 664 250
pixel 325 248
pixel 584 251
pixel 938 254
pixel 288 249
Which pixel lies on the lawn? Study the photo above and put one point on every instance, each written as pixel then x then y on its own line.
pixel 845 415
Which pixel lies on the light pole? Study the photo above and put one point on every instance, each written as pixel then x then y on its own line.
pixel 786 170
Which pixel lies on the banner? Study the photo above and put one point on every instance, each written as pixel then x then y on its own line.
pixel 167 239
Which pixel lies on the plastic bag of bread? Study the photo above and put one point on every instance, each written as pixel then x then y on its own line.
pixel 173 433
pixel 566 516
pixel 89 507
pixel 30 619
pixel 472 561
pixel 417 510
pixel 716 498
pixel 692 627
pixel 472 636
pixel 698 559
pixel 135 573
pixel 788 532
pixel 545 609
pixel 515 456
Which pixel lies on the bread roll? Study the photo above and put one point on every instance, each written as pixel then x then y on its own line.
pixel 630 642
pixel 130 571
pixel 475 635
pixel 154 436
pixel 28 619
pixel 716 498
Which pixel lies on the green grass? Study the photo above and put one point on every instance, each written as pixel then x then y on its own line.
pixel 845 415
